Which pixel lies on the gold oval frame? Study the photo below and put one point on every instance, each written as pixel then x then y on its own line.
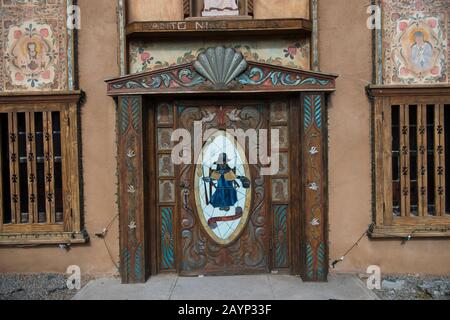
pixel 246 214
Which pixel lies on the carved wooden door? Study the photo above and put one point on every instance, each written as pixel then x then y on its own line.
pixel 224 225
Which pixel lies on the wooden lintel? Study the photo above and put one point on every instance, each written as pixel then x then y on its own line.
pixel 202 27
pixel 38 97
pixel 440 90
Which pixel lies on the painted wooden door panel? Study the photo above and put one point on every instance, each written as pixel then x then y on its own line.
pixel 225 226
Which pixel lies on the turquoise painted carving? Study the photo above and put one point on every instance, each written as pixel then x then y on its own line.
pixel 138 275
pixel 167 239
pixel 184 78
pixel 259 76
pixel 309 262
pixel 316 262
pixel 281 243
pixel 221 66
pixel 134 103
pixel 313 111
pixel 126 261
pixel 321 255
pixel 308 112
pixel 124 119
pixel 318 111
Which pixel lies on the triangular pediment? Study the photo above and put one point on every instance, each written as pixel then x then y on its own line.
pixel 221 70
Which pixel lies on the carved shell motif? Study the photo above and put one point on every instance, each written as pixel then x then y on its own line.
pixel 220 65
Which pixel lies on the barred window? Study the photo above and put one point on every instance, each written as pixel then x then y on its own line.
pixel 39 174
pixel 411 136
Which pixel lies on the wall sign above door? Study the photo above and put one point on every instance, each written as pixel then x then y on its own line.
pixel 167 28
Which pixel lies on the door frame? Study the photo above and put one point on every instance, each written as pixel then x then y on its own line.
pixel 308 91
pixel 224 100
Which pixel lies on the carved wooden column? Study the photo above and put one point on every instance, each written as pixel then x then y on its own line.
pixel 133 264
pixel 315 193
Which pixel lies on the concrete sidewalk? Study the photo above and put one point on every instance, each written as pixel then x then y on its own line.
pixel 255 287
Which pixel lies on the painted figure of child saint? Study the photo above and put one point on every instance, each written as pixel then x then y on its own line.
pixel 225 195
pixel 421 53
pixel 33 60
pixel 220 8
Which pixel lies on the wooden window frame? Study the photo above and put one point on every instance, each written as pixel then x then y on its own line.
pixel 70 231
pixel 385 224
pixel 191 10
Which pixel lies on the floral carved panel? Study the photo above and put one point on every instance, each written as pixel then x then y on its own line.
pixel 33 45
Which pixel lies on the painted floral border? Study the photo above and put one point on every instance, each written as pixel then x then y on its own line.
pixel 142 58
pixel 14 13
pixel 397 10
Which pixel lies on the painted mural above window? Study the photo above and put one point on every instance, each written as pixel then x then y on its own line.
pixel 33 45
pixel 146 56
pixel 31 59
pixel 415 41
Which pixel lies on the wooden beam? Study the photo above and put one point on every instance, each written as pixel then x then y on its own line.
pixel 202 27
pixel 14 159
pixel 388 210
pixel 422 160
pixel 31 168
pixel 378 157
pixel 67 186
pixel 315 186
pixel 32 98
pixel 403 232
pixel 439 159
pixel 2 204
pixel 49 166
pixel 405 183
pixel 314 52
pixel 133 234
pixel 414 91
pixel 72 151
pixel 42 238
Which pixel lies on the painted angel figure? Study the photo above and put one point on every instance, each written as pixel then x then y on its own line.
pixel 220 8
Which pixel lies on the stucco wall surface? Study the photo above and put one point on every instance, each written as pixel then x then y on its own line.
pixel 345 49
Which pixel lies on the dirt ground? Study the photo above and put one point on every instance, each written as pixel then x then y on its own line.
pixel 42 286
pixel 414 287
pixel 51 286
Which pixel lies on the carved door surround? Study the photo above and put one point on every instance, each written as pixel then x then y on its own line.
pixel 222 72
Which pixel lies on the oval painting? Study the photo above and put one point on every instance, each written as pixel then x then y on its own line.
pixel 223 188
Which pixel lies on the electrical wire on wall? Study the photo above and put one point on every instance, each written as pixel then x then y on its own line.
pixel 102 235
pixel 366 233
pixel 409 237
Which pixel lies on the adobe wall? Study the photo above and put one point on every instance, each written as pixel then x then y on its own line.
pixel 345 48
pixel 97 61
